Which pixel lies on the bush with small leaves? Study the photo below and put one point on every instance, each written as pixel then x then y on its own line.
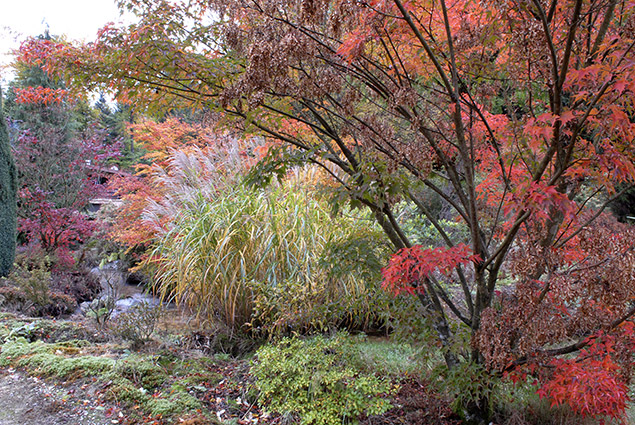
pixel 11 298
pixel 77 283
pixel 34 281
pixel 317 380
pixel 137 325
pixel 60 304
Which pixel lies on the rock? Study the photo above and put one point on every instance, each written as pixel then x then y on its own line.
pixel 126 304
pixel 83 307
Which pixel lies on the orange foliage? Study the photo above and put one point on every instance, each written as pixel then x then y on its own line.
pixel 162 140
pixel 40 95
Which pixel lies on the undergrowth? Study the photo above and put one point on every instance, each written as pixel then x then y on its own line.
pixel 319 381
pixel 157 385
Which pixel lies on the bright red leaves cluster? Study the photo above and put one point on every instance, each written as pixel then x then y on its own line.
pixel 408 269
pixel 55 230
pixel 593 383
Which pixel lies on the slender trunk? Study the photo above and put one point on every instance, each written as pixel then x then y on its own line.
pixel 440 326
pixel 429 299
pixel 390 231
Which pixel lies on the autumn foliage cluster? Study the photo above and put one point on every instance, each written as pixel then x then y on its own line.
pixel 40 95
pixel 512 118
pixel 161 141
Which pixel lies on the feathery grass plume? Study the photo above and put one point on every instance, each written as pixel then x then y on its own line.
pixel 268 260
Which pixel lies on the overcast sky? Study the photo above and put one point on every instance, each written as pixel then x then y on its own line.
pixel 78 19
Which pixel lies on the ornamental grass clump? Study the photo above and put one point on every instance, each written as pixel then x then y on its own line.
pixel 266 260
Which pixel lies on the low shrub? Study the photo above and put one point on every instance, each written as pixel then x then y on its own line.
pixel 12 298
pixel 28 290
pixel 34 282
pixel 100 310
pixel 317 381
pixel 77 284
pixel 60 304
pixel 138 324
pixel 220 339
pixel 469 384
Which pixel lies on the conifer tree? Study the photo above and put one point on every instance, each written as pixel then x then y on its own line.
pixel 8 203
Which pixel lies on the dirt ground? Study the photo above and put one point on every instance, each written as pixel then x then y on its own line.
pixel 27 400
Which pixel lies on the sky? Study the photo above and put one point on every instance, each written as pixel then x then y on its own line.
pixel 77 19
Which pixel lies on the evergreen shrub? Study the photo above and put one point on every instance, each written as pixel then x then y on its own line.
pixel 318 380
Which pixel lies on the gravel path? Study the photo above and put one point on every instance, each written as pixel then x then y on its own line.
pixel 26 400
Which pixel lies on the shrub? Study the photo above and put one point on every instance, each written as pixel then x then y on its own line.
pixel 100 310
pixel 469 385
pixel 34 282
pixel 219 339
pixel 137 325
pixel 317 381
pixel 78 284
pixel 60 304
pixel 29 290
pixel 11 298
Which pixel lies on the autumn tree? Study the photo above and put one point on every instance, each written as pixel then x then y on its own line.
pixel 58 151
pixel 43 136
pixel 516 115
pixel 8 199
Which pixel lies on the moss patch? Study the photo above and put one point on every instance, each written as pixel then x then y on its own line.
pixel 134 380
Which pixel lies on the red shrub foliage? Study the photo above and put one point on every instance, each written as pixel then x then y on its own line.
pixel 55 230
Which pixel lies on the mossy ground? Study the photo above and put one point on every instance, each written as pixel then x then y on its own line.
pixel 164 384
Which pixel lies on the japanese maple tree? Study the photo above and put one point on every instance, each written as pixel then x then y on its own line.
pixel 516 115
